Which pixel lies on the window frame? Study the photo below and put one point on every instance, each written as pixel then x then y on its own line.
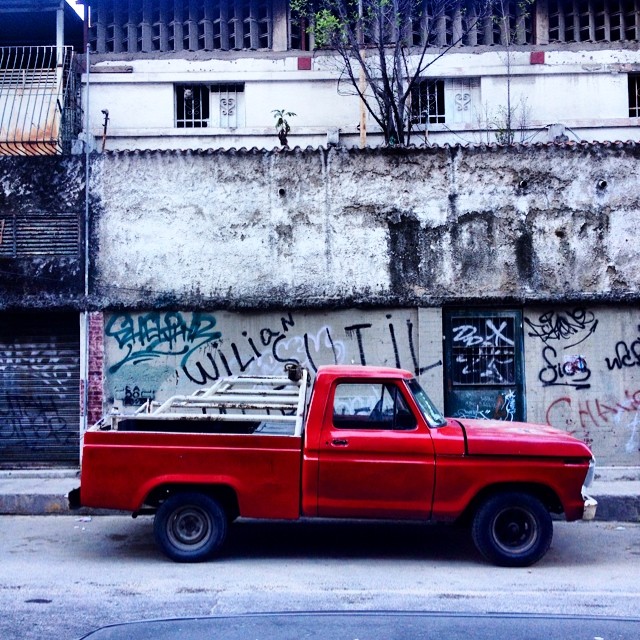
pixel 352 421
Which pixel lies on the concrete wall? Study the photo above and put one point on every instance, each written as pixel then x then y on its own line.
pixel 581 363
pixel 321 228
pixel 582 376
pixel 218 263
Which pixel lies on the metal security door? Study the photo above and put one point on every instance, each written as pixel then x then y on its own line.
pixel 484 360
pixel 39 389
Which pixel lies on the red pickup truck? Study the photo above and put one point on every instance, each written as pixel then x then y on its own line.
pixel 368 443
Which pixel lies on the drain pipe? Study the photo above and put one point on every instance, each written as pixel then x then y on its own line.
pixel 87 151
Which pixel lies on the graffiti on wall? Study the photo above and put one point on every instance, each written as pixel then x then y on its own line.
pixel 32 423
pixel 560 331
pixel 484 351
pixel 585 416
pixel 200 348
pixel 38 393
pixel 627 354
pixel 155 335
pixel 597 401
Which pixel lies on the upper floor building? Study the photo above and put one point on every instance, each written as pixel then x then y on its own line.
pixel 179 74
pixel 40 110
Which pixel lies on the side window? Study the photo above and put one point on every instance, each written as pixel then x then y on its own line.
pixel 371 406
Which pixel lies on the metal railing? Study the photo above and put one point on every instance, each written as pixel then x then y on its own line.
pixel 40 112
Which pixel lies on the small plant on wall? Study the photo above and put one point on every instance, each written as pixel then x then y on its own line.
pixel 282 124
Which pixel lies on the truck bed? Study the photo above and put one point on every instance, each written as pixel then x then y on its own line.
pixel 243 434
pixel 120 469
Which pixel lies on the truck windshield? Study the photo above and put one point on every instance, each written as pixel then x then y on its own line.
pixel 431 414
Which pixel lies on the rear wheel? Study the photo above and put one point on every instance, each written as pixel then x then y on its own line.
pixel 190 527
pixel 512 529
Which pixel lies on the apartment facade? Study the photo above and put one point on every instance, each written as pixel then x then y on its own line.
pixel 154 255
pixel 208 74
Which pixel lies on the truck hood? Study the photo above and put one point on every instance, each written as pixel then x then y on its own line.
pixel 496 437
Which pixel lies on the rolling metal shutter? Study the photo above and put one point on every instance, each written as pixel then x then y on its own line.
pixel 39 388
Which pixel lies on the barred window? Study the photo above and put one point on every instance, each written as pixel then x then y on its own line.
pixel 594 20
pixel 427 102
pixel 439 101
pixel 192 106
pixel 218 106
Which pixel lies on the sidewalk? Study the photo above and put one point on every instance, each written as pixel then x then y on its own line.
pixel 43 492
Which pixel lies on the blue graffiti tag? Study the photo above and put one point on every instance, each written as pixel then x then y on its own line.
pixel 154 335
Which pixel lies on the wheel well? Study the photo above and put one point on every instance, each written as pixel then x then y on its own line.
pixel 545 494
pixel 224 494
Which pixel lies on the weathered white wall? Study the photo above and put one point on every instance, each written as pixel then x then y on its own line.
pixel 583 88
pixel 349 227
pixel 285 253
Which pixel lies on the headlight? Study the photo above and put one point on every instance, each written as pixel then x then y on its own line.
pixel 590 473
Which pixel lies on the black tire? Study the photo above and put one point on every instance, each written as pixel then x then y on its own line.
pixel 512 529
pixel 190 527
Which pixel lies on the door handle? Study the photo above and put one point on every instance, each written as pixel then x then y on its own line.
pixel 337 442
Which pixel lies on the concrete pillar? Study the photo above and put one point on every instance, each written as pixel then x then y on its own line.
pixel 280 32
pixel 541 22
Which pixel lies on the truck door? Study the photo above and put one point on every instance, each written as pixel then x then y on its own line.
pixel 375 457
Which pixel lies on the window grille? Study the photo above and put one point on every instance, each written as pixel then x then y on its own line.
pixel 458 23
pixel 219 106
pixel 483 350
pixel 180 25
pixel 427 102
pixel 634 95
pixel 594 20
pixel 228 105
pixel 192 106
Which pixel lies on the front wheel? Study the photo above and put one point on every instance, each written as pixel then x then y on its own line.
pixel 512 529
pixel 190 527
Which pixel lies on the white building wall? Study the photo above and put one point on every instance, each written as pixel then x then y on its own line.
pixel 586 91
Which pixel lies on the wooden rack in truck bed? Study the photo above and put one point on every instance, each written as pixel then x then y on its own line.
pixel 241 404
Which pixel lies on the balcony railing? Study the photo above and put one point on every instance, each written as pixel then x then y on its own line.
pixel 40 111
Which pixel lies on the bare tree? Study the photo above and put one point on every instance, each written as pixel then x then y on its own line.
pixel 384 48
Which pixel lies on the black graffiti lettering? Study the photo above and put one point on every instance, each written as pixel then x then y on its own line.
pixel 205 375
pixel 243 365
pixel 287 322
pixel 554 373
pixel 563 325
pixel 267 336
pixel 252 344
pixel 274 351
pixel 357 329
pixel 308 352
pixel 225 362
pixel 394 344
pixel 625 355
pixel 333 347
pixel 134 396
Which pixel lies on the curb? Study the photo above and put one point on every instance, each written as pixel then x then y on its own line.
pixel 39 493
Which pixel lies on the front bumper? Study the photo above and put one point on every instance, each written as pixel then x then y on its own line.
pixel 590 506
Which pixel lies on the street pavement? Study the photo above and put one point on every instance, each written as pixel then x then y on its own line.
pixel 61 577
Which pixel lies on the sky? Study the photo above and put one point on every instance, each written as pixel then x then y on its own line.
pixel 77 7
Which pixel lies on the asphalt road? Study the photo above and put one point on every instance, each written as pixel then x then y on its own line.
pixel 62 576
